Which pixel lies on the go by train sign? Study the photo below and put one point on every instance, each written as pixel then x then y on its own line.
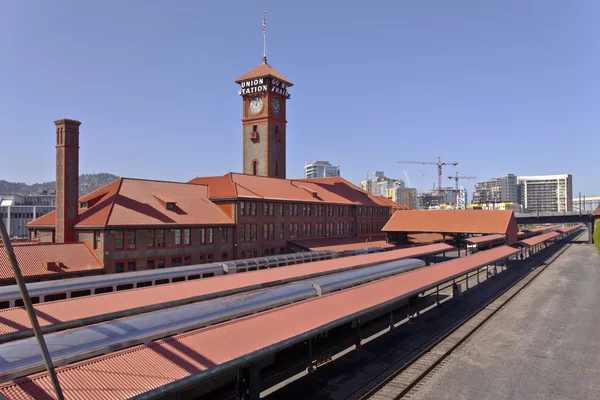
pixel 260 85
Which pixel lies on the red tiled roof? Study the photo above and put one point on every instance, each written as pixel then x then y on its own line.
pixel 596 213
pixel 139 202
pixel 32 258
pixel 455 221
pixel 263 70
pixel 484 239
pixel 344 243
pixel 424 238
pixel 15 319
pixel 538 239
pixel 133 371
pixel 319 190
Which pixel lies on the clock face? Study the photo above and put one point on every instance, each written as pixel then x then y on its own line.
pixel 275 106
pixel 256 104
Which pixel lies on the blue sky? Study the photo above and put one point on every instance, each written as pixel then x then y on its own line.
pixel 501 87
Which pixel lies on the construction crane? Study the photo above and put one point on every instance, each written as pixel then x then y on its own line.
pixel 407 180
pixel 439 164
pixel 456 179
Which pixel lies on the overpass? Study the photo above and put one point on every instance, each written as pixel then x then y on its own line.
pixel 548 217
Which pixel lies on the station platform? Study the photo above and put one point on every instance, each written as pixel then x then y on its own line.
pixel 543 345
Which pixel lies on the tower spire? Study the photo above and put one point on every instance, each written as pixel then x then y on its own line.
pixel 264 29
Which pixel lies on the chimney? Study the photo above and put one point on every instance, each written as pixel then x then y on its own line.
pixel 67 178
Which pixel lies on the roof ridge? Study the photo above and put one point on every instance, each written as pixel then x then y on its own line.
pixel 93 253
pixel 112 203
pixel 251 191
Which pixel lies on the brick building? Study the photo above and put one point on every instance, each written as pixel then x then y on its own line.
pixel 135 224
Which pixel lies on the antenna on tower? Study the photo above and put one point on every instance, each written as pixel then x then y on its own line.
pixel 264 29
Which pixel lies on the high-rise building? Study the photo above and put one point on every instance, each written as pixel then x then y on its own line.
pixel 393 189
pixel 321 169
pixel 546 193
pixel 16 211
pixel 496 190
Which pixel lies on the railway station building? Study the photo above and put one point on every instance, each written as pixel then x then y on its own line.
pixel 136 224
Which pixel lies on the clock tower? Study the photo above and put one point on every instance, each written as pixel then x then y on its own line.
pixel 264 93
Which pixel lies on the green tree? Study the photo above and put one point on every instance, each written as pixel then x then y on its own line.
pixel 597 235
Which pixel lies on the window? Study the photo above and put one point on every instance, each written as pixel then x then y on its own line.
pixel 118 239
pixel 242 208
pixel 161 263
pixel 83 204
pixel 281 210
pixel 281 231
pixel 202 259
pixel 265 209
pixel 186 236
pixel 271 209
pixel 131 267
pixel 223 256
pixel 291 230
pixel 254 128
pixel 150 238
pixel 202 235
pixel 253 208
pixel 308 233
pixel 210 258
pixel 242 235
pixel 187 260
pixel 295 230
pixel 291 210
pixel 160 239
pixel 223 235
pixel 119 267
pixel 272 231
pixel 176 262
pixel 308 210
pixel 265 231
pixel 248 232
pixel 211 235
pixel 150 264
pixel 304 210
pixel 97 240
pixel 254 229
pixel 296 210
pixel 255 167
pixel 177 237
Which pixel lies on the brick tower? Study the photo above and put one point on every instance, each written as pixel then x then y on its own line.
pixel 264 94
pixel 67 178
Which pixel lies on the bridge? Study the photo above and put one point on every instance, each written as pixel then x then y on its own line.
pixel 558 218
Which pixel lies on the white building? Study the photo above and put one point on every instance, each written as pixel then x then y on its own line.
pixel 321 169
pixel 393 189
pixel 16 211
pixel 546 193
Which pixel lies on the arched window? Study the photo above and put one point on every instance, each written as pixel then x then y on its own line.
pixel 276 168
pixel 254 167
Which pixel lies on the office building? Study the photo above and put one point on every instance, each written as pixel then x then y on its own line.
pixel 393 189
pixel 17 211
pixel 496 190
pixel 321 169
pixel 546 193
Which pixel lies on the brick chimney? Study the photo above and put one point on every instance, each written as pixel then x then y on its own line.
pixel 67 178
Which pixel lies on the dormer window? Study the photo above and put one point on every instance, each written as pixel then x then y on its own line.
pixel 170 205
pixel 83 204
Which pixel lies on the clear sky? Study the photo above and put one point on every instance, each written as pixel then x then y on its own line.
pixel 500 86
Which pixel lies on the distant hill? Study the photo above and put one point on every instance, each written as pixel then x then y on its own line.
pixel 87 183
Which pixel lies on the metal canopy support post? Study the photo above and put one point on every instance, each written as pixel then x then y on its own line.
pixel 29 307
pixel 311 367
pixel 254 384
pixel 437 295
pixel 356 334
pixel 391 317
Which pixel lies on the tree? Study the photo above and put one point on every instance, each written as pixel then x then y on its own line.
pixel 597 235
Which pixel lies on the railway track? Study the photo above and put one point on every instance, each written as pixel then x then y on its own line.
pixel 424 354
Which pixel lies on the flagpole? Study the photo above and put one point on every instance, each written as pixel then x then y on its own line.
pixel 264 26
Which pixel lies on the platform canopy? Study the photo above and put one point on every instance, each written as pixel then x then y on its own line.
pixel 452 222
